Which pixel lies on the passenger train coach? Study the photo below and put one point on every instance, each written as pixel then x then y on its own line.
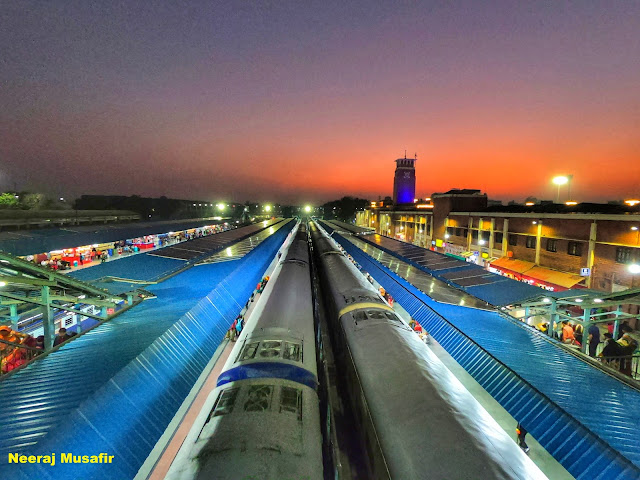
pixel 415 417
pixel 262 420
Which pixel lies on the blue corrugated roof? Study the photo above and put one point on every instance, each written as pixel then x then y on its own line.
pixel 141 266
pixel 585 418
pixel 42 397
pixel 496 290
pixel 29 242
pixel 127 415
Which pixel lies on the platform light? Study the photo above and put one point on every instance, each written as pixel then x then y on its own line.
pixel 546 300
pixel 481 242
pixel 634 268
pixel 560 180
pixel 579 300
pixel 446 235
pixel 632 202
pixel 634 228
pixel 3 284
pixel 597 300
pixel 529 204
pixel 534 222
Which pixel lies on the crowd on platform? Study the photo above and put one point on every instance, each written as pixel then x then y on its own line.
pixel 238 324
pixel 17 348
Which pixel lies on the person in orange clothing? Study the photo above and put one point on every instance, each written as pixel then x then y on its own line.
pixel 567 333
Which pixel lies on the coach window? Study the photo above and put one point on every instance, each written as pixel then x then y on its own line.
pixel 292 351
pixel 258 398
pixel 249 351
pixel 270 348
pixel 225 402
pixel 376 314
pixel 291 401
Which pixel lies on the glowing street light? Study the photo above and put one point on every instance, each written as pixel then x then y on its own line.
pixel 308 209
pixel 562 180
pixel 220 206
pixel 634 268
pixel 267 208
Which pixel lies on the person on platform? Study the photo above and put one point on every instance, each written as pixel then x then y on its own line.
pixel 594 339
pixel 62 336
pixel 522 433
pixel 567 333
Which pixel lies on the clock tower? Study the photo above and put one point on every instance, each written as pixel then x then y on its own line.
pixel 404 181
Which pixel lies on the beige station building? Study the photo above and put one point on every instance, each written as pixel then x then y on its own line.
pixel 554 246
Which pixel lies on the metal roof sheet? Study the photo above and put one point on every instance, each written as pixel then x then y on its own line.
pixel 127 415
pixel 586 419
pixel 43 397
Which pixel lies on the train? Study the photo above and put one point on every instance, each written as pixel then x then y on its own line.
pixel 262 420
pixel 415 418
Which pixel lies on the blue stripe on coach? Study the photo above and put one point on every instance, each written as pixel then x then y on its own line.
pixel 269 370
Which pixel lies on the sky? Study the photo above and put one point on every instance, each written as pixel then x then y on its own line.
pixel 298 102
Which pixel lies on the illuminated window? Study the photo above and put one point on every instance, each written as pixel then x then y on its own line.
pixel 574 248
pixel 531 242
pixel 552 245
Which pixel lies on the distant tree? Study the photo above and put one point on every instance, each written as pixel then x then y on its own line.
pixel 8 200
pixel 33 201
pixel 344 209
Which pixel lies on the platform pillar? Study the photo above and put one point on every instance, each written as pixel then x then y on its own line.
pixel 47 319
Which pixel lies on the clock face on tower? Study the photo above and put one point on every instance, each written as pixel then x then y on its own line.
pixel 407 174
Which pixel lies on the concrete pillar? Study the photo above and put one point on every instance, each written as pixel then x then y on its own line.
pixel 469 233
pixel 591 252
pixel 538 241
pixel 505 237
pixel 13 313
pixel 553 318
pixel 47 319
pixel 492 227
pixel 586 323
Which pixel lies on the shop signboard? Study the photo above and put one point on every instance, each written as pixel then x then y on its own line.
pixel 585 272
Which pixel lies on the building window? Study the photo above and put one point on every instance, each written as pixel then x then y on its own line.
pixel 485 236
pixel 513 240
pixel 474 235
pixel 459 232
pixel 625 255
pixel 574 248
pixel 450 231
pixel 531 242
pixel 466 232
pixel 552 245
pixel 498 238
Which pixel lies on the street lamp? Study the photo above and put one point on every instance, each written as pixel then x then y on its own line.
pixel 634 268
pixel 267 208
pixel 308 209
pixel 220 206
pixel 562 180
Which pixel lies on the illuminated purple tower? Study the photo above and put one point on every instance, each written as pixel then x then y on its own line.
pixel 404 181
